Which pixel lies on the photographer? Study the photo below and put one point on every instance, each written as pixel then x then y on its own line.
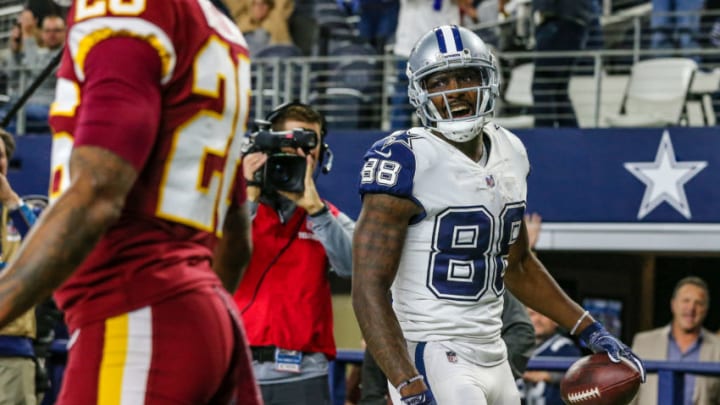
pixel 284 296
pixel 23 44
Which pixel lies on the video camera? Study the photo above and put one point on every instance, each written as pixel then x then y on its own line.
pixel 282 171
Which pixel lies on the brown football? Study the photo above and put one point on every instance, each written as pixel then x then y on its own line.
pixel 596 380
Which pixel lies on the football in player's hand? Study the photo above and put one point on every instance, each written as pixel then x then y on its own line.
pixel 596 380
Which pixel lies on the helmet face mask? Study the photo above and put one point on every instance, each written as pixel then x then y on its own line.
pixel 446 55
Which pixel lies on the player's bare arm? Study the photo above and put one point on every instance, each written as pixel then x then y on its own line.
pixel 377 245
pixel 528 279
pixel 68 229
pixel 232 253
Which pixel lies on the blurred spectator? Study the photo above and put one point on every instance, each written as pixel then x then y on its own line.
pixel 53 38
pixel 303 25
pixel 30 30
pixel 12 58
pixel 17 357
pixel 42 8
pixel 684 339
pixel 251 15
pixel 596 38
pixel 416 18
pixel 484 13
pixel 595 41
pixel 539 387
pixel 711 19
pixel 26 58
pixel 560 25
pixel 378 19
pixel 29 62
pixel 25 39
pixel 258 37
pixel 676 24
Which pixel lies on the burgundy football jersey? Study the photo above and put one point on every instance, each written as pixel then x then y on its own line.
pixel 187 153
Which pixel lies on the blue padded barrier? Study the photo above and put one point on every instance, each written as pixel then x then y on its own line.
pixel 670 373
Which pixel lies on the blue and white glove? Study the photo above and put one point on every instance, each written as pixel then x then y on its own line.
pixel 423 398
pixel 598 339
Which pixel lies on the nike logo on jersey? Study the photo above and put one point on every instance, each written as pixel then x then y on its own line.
pixel 386 155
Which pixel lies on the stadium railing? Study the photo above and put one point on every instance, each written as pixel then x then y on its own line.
pixel 670 373
pixel 596 88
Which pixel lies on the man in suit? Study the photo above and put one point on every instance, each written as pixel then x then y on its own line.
pixel 683 340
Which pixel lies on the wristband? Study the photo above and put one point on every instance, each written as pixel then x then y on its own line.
pixel 579 321
pixel 322 211
pixel 409 381
pixel 22 217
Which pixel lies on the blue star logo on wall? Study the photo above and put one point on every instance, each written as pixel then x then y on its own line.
pixel 665 179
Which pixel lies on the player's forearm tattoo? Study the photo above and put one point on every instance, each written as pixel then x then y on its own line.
pixel 66 232
pixel 378 242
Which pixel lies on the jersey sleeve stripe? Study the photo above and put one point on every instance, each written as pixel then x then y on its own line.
pixel 85 35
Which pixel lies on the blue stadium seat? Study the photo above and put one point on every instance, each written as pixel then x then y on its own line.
pixel 342 107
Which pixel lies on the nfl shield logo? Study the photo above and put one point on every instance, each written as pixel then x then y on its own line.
pixel 490 181
pixel 451 356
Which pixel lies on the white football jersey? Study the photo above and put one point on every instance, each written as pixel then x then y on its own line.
pixel 449 284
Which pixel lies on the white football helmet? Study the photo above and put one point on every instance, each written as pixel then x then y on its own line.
pixel 445 48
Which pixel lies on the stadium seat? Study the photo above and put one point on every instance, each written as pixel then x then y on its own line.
pixel 518 96
pixel 343 108
pixel 704 85
pixel 584 97
pixel 333 34
pixel 656 94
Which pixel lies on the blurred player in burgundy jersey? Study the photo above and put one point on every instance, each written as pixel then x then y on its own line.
pixel 147 221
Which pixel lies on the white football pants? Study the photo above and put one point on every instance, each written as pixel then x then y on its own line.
pixel 455 381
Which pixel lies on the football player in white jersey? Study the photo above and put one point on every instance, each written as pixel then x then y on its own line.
pixel 441 226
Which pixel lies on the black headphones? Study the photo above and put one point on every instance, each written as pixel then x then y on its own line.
pixel 326 155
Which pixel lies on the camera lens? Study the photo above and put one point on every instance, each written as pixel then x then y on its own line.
pixel 279 173
pixel 285 172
